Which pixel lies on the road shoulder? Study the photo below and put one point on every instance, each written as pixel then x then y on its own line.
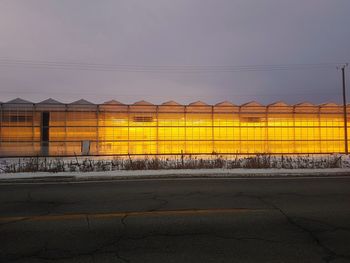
pixel 171 174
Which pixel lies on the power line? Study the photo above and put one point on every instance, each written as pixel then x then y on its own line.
pixel 62 65
pixel 52 62
pixel 242 94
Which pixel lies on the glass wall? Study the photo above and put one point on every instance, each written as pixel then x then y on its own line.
pixel 171 128
pixel 19 129
pixel 83 128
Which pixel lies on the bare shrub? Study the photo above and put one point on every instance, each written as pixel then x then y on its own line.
pixel 54 165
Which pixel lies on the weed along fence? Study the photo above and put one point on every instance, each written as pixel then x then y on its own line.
pixel 51 128
pixel 103 164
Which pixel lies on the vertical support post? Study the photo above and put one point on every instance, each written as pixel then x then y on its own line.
pixel 65 128
pixel 240 129
pixel 212 129
pixel 157 123
pixel 17 125
pixel 1 120
pixel 266 150
pixel 98 130
pixel 33 129
pixel 185 141
pixel 319 129
pixel 293 114
pixel 128 113
pixel 345 111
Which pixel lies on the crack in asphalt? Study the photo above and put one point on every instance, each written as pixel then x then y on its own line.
pixel 51 205
pixel 117 253
pixel 51 254
pixel 44 253
pixel 330 227
pixel 88 222
pixel 14 221
pixel 47 254
pixel 163 203
pixel 330 254
pixel 63 254
pixel 205 234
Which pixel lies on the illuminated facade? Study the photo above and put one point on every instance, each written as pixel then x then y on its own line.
pixel 51 128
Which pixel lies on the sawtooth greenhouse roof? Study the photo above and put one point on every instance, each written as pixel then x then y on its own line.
pixel 83 102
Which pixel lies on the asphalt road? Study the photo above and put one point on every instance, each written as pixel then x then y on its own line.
pixel 182 220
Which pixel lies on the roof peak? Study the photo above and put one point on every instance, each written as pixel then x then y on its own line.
pixel 171 103
pixel 19 101
pixel 329 104
pixel 305 103
pixel 143 103
pixel 225 103
pixel 50 101
pixel 253 103
pixel 113 102
pixel 278 103
pixel 198 103
pixel 81 102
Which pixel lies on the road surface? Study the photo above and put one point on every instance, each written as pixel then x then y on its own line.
pixel 182 220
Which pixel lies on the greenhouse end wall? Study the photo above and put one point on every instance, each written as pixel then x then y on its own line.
pixel 51 128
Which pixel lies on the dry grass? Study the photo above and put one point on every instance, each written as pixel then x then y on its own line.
pixel 55 165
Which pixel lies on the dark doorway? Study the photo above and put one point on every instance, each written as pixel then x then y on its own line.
pixel 45 133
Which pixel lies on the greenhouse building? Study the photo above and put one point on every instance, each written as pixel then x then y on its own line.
pixel 52 128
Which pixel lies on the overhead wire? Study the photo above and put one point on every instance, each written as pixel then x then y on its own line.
pixel 71 65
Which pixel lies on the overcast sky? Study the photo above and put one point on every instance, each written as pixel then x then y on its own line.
pixel 174 33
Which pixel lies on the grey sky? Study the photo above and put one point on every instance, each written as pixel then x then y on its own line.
pixel 168 32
